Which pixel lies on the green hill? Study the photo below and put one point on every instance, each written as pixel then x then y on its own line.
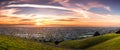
pixel 103 42
pixel 113 44
pixel 15 43
pixel 97 42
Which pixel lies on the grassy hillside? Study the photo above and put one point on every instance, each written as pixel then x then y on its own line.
pixel 103 42
pixel 113 44
pixel 88 42
pixel 15 43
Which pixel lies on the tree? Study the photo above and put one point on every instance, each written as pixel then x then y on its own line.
pixel 118 32
pixel 57 42
pixel 96 33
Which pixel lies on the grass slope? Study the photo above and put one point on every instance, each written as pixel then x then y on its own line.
pixel 88 42
pixel 103 42
pixel 15 43
pixel 113 44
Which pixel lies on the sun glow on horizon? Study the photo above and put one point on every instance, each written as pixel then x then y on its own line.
pixel 38 24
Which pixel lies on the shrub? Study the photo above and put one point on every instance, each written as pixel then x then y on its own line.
pixel 96 33
pixel 118 32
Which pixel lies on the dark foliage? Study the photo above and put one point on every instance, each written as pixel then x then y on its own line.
pixel 96 33
pixel 118 32
pixel 57 42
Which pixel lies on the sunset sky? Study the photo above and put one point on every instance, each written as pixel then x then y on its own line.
pixel 83 13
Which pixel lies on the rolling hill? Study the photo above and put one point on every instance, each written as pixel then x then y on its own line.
pixel 113 44
pixel 15 43
pixel 103 42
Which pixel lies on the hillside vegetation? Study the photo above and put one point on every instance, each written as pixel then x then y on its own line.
pixel 15 43
pixel 94 43
pixel 103 42
pixel 113 44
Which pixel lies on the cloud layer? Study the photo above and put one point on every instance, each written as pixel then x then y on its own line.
pixel 63 13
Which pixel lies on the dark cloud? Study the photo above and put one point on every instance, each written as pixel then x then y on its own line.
pixel 25 19
pixel 14 17
pixel 1 16
pixel 67 19
pixel 43 2
pixel 16 25
pixel 5 0
pixel 60 25
pixel 11 17
pixel 4 3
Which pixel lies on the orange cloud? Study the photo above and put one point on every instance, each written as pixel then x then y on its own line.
pixel 7 16
pixel 76 17
pixel 18 21
pixel 26 20
pixel 68 19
